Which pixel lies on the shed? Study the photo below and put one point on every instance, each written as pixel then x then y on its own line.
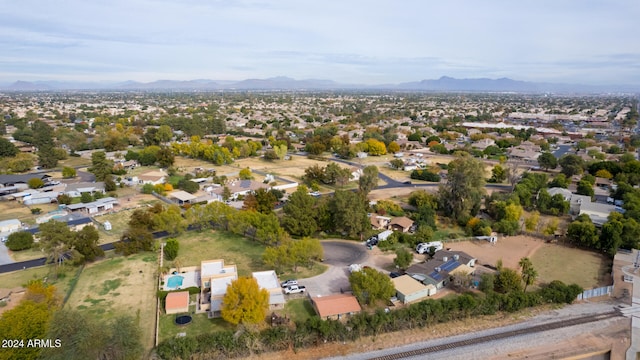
pixel 177 302
pixel 338 306
pixel 409 290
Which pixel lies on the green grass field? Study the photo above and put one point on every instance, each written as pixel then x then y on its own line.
pixel 200 324
pixel 298 309
pixel 21 277
pixel 210 245
pixel 571 265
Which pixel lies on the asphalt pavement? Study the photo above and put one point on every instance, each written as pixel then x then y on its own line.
pixel 4 255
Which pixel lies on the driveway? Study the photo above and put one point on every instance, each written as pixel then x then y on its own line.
pixel 338 255
pixel 4 255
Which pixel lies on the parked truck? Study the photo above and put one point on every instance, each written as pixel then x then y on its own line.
pixel 294 289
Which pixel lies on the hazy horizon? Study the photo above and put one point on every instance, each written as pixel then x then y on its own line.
pixel 355 42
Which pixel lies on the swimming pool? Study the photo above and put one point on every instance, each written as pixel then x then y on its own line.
pixel 174 282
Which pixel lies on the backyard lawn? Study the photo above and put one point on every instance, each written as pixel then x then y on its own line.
pixel 200 324
pixel 210 245
pixel 298 310
pixel 571 265
pixel 120 286
pixel 21 277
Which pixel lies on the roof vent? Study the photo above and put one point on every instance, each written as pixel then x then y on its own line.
pixel 438 269
pixel 445 259
pixel 456 257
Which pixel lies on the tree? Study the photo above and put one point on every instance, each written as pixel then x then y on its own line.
pixel 280 151
pixel 528 273
pixel 507 281
pixel 585 188
pixel 86 197
pixel 245 174
pixel 85 332
pixel 165 157
pixel 397 163
pixel 189 186
pixel 55 239
pixel 368 180
pixel 7 149
pixel 85 242
pixel 531 222
pixel 376 147
pixel 393 147
pixel 35 183
pixel 164 134
pixel 461 196
pixel 226 193
pixel 571 165
pixel 560 181
pixel 170 220
pixel 348 213
pixel 403 258
pixel 20 240
pixel 582 231
pixel 68 172
pixel 370 285
pixel 245 303
pixel 498 174
pixel 171 249
pixel 299 216
pixel 265 200
pixel 547 161
pixel 100 166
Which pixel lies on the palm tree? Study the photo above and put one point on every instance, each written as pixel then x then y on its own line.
pixel 529 274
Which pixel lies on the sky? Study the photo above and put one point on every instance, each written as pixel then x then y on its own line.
pixel 348 41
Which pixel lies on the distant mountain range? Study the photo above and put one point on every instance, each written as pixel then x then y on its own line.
pixel 443 84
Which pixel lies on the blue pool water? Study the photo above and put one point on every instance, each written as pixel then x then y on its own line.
pixel 174 282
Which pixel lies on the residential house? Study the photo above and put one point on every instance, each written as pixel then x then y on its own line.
pixel 181 197
pixel 566 194
pixel 379 222
pixel 356 172
pixel 445 263
pixel 177 302
pixel 237 188
pixel 13 179
pixel 154 177
pixel 8 190
pixel 76 189
pixel 410 290
pixel 215 276
pixel 483 143
pixel 402 223
pixel 336 307
pixel 268 280
pixel 94 207
pixel 7 227
pixel 75 222
pixel 41 198
pixel 597 212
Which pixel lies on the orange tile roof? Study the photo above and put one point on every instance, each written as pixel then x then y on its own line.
pixel 336 304
pixel 177 300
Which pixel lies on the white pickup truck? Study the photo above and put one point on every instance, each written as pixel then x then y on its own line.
pixel 294 289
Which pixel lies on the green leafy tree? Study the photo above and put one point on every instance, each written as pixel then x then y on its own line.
pixel 461 196
pixel 189 186
pixel 245 174
pixel 21 163
pixel 245 303
pixel 348 213
pixel 170 220
pixel 35 183
pixel 299 216
pixel 571 165
pixel 403 258
pixel 165 157
pixel 86 197
pixel 507 281
pixel 370 286
pixel 55 240
pixel 368 180
pixel 7 149
pixel 393 147
pixel 164 134
pixel 100 166
pixel 498 174
pixel 547 161
pixel 265 200
pixel 85 242
pixel 171 249
pixel 20 240
pixel 585 188
pixel 582 231
pixel 560 181
pixel 68 172
pixel 376 147
pixel 397 163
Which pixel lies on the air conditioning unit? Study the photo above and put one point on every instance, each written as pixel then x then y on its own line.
pixel 438 269
pixel 445 259
pixel 456 257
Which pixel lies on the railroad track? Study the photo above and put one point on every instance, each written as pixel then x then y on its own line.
pixel 500 336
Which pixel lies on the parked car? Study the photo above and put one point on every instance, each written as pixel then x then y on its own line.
pixel 289 282
pixel 394 274
pixel 372 241
pixel 294 289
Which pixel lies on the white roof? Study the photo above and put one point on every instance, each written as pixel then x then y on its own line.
pixel 267 279
pixel 10 222
pixel 182 195
pixel 219 285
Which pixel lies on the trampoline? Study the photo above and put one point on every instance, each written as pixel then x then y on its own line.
pixel 174 282
pixel 183 319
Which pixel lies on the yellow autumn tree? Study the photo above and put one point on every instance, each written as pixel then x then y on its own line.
pixel 245 303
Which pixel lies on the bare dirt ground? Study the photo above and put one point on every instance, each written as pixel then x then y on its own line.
pixel 509 249
pixel 14 300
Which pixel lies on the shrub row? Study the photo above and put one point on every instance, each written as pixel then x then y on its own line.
pixel 314 331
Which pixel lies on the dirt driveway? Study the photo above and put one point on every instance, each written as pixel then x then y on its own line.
pixel 338 255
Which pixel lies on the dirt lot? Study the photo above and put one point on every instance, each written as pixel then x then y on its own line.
pixel 120 286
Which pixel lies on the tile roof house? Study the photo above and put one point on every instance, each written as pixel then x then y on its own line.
pixel 402 223
pixel 177 302
pixel 336 307
pixel 444 264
